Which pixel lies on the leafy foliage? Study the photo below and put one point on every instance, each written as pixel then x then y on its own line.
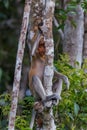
pixel 84 5
pixel 23 119
pixel 4 110
pixel 21 123
pixel 70 114
pixel 72 109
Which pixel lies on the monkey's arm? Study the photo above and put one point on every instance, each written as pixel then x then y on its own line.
pixel 35 46
pixel 63 77
pixel 57 88
pixel 57 85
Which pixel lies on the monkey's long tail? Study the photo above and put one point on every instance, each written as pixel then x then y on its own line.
pixel 32 118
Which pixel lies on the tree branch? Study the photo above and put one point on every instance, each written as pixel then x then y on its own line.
pixel 19 58
pixel 59 30
pixel 48 121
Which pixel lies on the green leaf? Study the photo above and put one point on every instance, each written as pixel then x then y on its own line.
pixel 6 3
pixel 73 127
pixel 26 128
pixel 71 116
pixel 76 108
pixel 61 26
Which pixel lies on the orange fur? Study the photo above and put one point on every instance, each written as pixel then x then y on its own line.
pixel 37 64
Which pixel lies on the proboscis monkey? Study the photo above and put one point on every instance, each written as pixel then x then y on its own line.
pixel 36 75
pixel 36 79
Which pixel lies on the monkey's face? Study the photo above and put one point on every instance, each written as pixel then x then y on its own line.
pixel 41 49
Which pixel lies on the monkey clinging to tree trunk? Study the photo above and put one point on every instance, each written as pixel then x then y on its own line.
pixel 36 75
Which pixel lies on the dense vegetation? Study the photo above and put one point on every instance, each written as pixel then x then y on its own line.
pixel 71 114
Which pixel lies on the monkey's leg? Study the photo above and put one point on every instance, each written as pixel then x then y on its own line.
pixel 35 45
pixel 63 77
pixel 57 86
pixel 38 87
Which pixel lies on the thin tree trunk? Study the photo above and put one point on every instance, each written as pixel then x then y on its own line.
pixel 17 75
pixel 48 120
pixel 85 39
pixel 42 12
pixel 73 35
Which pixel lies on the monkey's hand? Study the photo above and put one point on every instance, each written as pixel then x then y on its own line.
pixel 56 101
pixel 54 98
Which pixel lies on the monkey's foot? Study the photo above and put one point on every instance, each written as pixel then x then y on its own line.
pixel 51 100
pixel 56 99
pixel 53 97
pixel 55 102
pixel 38 106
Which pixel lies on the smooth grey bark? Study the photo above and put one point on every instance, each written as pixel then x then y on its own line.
pixel 19 58
pixel 73 36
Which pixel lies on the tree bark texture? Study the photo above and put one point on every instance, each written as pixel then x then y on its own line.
pixel 42 14
pixel 35 20
pixel 73 35
pixel 85 38
pixel 19 58
pixel 48 72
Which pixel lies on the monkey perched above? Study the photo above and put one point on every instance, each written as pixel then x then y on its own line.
pixel 36 75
